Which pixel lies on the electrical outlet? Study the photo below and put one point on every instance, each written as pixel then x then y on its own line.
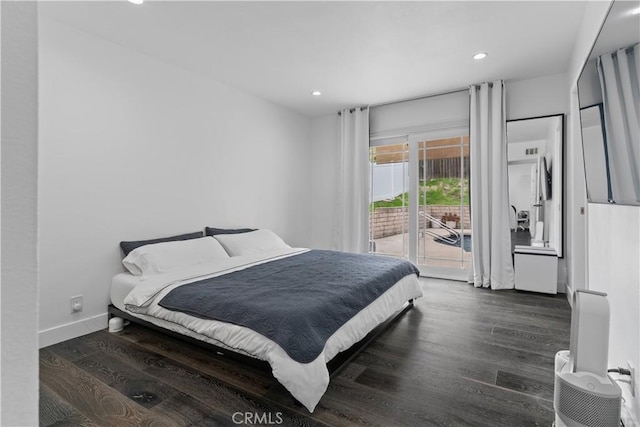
pixel 631 368
pixel 76 304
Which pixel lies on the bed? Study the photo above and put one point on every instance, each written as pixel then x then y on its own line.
pixel 301 313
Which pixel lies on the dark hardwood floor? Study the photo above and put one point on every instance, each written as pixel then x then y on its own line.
pixel 461 357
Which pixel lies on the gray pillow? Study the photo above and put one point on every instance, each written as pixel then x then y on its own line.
pixel 131 245
pixel 211 231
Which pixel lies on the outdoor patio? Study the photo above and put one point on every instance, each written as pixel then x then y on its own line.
pixel 438 254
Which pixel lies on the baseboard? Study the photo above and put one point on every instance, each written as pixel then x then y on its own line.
pixel 72 330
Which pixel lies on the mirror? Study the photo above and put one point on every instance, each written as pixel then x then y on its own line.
pixel 595 158
pixel 536 188
pixel 608 90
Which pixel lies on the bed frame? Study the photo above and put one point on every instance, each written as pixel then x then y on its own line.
pixel 334 366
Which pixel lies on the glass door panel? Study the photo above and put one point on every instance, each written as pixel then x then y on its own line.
pixel 444 223
pixel 389 200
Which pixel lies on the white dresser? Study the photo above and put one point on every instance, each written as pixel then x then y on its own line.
pixel 536 269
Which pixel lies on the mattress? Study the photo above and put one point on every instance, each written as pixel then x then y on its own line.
pixel 307 382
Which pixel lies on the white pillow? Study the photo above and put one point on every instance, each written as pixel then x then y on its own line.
pixel 163 257
pixel 251 243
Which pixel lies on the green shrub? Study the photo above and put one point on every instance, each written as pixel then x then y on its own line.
pixel 436 191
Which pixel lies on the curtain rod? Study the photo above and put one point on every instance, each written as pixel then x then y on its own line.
pixel 351 110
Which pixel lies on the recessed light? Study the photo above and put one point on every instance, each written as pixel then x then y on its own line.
pixel 480 55
pixel 136 1
pixel 316 93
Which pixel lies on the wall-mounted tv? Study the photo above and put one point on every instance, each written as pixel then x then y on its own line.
pixel 545 179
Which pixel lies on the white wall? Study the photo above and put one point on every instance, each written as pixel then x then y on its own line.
pixel 134 148
pixel 325 133
pixel 518 150
pixel 441 112
pixel 520 174
pixel 520 187
pixel 536 97
pixel 614 251
pixel 19 315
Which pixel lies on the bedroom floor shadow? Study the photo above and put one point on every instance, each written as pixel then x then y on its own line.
pixel 461 357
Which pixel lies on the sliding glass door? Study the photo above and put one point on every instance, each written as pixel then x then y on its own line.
pixel 420 201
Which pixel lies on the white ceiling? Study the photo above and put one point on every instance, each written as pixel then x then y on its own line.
pixel 356 53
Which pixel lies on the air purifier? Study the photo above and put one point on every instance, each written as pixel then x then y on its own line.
pixel 584 395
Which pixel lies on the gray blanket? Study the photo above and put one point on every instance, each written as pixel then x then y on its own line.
pixel 298 302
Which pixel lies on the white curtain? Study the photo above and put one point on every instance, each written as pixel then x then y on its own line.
pixel 491 242
pixel 620 82
pixel 351 227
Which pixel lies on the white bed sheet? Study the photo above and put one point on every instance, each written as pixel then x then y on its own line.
pixel 307 382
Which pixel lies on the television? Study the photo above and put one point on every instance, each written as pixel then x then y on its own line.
pixel 545 180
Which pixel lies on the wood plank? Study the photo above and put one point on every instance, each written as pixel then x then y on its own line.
pixel 56 411
pixel 526 318
pixel 141 388
pixel 183 409
pixel 93 399
pixel 482 400
pixel 540 386
pixel 498 309
pixel 444 350
pixel 218 396
pixel 230 371
pixel 383 408
pixel 539 343
pixel 349 400
pixel 72 350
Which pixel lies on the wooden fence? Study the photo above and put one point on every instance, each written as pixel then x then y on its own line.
pixel 445 168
